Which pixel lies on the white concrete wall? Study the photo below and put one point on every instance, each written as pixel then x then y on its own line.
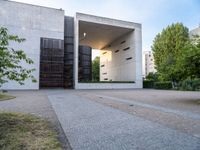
pixel 135 65
pixel 116 66
pixel 195 32
pixel 30 22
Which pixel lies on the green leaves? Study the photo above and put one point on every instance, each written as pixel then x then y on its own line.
pixel 11 60
pixel 95 69
pixel 168 46
pixel 177 57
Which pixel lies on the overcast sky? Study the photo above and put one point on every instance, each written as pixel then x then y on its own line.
pixel 153 14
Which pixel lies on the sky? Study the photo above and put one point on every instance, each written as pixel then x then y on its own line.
pixel 154 15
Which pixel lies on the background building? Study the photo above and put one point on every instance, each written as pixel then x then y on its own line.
pixel 61 47
pixel 195 31
pixel 149 65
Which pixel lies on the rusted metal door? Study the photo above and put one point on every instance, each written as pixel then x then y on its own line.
pixel 51 63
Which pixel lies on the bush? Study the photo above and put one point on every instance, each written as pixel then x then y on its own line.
pixel 148 84
pixel 152 76
pixel 88 81
pixel 163 85
pixel 190 85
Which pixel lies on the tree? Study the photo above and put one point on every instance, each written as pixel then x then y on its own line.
pixel 189 60
pixel 11 60
pixel 95 69
pixel 152 76
pixel 167 48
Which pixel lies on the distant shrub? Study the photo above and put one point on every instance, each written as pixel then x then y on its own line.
pixel 163 85
pixel 152 76
pixel 148 84
pixel 85 81
pixel 190 85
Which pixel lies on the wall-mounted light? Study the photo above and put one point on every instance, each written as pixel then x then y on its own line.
pixel 84 35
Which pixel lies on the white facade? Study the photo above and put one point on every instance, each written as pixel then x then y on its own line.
pixel 117 62
pixel 149 62
pixel 30 22
pixel 195 31
pixel 34 22
pixel 118 68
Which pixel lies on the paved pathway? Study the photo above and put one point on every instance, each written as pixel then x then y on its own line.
pixel 36 103
pixel 92 126
pixel 153 106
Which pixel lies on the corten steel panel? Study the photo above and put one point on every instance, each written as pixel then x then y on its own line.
pixel 68 52
pixel 85 70
pixel 51 63
pixel 85 63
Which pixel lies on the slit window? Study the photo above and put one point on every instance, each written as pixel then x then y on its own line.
pixel 102 65
pixel 123 42
pixel 105 78
pixel 104 53
pixel 104 73
pixel 116 51
pixel 126 49
pixel 128 58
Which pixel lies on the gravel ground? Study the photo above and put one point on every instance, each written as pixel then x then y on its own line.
pixel 36 103
pixel 174 109
pixel 116 119
pixel 93 121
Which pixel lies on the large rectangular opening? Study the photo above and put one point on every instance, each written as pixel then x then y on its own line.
pixel 116 48
pixel 120 45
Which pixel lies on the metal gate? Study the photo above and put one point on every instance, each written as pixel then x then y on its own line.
pixel 51 63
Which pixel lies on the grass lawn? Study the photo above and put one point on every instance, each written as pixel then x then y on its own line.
pixel 26 132
pixel 4 97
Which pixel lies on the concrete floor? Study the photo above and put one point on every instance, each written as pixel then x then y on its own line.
pixel 129 119
pixel 35 103
pixel 117 119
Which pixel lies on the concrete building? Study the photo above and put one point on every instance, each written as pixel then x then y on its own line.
pixel 195 31
pixel 149 62
pixel 61 46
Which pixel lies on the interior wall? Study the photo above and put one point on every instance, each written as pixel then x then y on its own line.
pixel 117 61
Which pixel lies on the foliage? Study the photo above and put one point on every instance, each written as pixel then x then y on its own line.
pixel 190 85
pixel 11 60
pixel 21 132
pixel 148 84
pixel 167 47
pixel 107 81
pixel 96 69
pixel 163 85
pixel 152 76
pixel 189 59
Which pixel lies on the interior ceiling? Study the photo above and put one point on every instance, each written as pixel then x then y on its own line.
pixel 99 36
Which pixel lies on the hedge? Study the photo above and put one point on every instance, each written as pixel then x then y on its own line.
pixel 148 84
pixel 190 85
pixel 163 85
pixel 157 85
pixel 106 81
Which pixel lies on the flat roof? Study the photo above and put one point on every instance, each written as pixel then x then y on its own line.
pixel 33 5
pixel 100 32
pixel 98 36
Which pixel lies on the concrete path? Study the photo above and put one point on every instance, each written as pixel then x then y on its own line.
pixel 153 106
pixel 35 103
pixel 92 126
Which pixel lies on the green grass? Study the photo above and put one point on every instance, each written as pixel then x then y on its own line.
pixel 26 132
pixel 4 97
